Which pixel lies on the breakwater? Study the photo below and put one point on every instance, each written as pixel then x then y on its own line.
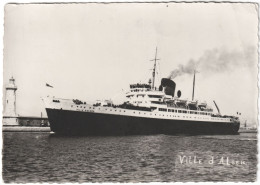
pixel 25 129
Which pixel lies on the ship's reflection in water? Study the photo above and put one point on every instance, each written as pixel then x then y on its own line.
pixel 44 157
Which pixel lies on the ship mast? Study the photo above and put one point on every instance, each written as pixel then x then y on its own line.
pixel 154 67
pixel 193 86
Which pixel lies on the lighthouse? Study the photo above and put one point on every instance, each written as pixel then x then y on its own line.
pixel 10 116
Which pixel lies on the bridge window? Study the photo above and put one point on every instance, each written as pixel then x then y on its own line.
pixel 161 109
pixel 154 96
pixel 157 102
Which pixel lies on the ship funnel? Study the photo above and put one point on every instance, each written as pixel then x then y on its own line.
pixel 168 86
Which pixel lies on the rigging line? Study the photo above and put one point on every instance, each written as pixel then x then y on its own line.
pixel 160 73
pixel 146 76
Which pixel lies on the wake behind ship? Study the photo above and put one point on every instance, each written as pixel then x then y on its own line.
pixel 146 110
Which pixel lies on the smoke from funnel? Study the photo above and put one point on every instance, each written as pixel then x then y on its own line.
pixel 217 61
pixel 183 69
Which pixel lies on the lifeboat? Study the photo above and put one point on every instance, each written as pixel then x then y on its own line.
pixel 182 103
pixel 193 105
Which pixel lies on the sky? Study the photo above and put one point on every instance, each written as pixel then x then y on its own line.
pixel 94 51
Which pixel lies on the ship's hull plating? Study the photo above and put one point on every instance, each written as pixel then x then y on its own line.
pixel 87 123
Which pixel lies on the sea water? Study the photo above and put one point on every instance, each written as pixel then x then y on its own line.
pixel 45 157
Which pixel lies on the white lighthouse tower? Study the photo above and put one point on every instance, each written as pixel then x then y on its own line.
pixel 10 116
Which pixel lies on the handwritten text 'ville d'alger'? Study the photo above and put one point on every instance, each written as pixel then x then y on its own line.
pixel 213 160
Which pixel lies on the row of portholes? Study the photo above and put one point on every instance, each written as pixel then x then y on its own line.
pixel 82 107
pixel 124 111
pixel 159 114
pixel 218 119
pixel 150 114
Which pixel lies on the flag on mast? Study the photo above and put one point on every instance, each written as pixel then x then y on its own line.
pixel 48 85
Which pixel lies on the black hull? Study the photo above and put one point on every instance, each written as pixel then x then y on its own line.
pixel 87 123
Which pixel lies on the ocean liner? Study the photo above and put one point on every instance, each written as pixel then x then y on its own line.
pixel 146 110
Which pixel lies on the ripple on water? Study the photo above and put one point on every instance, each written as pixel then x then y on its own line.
pixel 41 157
